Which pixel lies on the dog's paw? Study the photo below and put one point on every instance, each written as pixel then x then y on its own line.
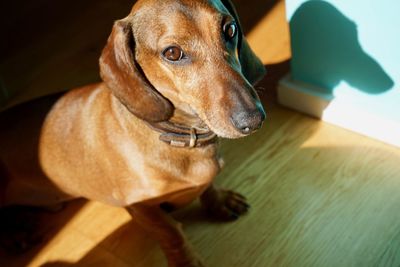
pixel 226 205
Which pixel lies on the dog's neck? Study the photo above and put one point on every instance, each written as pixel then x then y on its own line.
pixel 184 130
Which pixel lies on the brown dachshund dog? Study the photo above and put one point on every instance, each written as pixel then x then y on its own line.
pixel 177 73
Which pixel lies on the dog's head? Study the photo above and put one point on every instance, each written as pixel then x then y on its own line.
pixel 186 54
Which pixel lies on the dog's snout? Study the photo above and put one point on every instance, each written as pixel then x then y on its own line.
pixel 247 122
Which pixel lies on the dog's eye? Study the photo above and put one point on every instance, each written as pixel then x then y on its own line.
pixel 229 30
pixel 173 53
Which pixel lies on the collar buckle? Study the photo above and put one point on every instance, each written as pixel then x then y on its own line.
pixel 193 138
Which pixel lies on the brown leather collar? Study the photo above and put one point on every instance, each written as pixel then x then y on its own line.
pixel 182 136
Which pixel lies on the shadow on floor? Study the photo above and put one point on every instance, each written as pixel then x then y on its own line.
pixel 326 50
pixel 35 225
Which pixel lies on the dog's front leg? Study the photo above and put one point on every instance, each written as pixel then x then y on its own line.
pixel 162 227
pixel 224 204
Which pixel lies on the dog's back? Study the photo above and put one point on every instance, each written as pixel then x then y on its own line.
pixel 20 129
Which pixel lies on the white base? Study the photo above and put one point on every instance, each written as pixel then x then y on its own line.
pixel 311 100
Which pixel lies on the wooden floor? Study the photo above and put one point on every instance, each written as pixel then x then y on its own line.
pixel 321 196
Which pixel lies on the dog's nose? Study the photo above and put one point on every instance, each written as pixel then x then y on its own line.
pixel 247 122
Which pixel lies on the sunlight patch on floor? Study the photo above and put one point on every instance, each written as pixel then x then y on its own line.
pixel 81 233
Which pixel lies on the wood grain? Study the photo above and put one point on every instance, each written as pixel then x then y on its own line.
pixel 321 196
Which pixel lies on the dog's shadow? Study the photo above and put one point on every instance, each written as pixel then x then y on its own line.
pixel 326 50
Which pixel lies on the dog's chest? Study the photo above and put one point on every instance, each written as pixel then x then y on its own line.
pixel 177 176
pixel 188 179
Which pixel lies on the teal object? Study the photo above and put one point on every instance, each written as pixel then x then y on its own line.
pixel 350 50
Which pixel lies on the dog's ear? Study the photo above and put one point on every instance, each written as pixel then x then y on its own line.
pixel 252 67
pixel 124 77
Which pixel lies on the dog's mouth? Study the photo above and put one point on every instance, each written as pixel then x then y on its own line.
pixel 220 128
pixel 229 125
pixel 238 125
